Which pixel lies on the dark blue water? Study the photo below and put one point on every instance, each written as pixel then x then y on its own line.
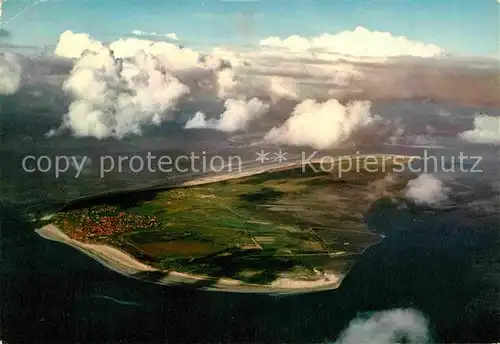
pixel 440 264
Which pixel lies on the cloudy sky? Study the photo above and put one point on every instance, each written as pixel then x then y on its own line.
pixel 306 74
pixel 467 26
pixel 138 75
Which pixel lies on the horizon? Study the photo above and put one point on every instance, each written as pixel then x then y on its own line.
pixel 452 26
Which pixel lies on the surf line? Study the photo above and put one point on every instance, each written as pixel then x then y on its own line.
pixel 121 302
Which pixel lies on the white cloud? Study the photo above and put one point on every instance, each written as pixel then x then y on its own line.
pixel 113 98
pixel 387 327
pixel 322 125
pixel 10 73
pixel 283 88
pixel 72 45
pixel 120 87
pixel 427 189
pixel 199 121
pixel 320 70
pixel 239 113
pixel 360 42
pixel 169 54
pixel 172 36
pixel 227 82
pixel 486 130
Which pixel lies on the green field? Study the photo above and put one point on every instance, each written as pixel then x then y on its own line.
pixel 254 229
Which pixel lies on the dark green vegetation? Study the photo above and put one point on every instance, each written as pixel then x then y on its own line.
pixel 297 223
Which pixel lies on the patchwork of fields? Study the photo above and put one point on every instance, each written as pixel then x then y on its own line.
pixel 294 222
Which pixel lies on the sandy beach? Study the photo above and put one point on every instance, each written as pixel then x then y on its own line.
pixel 124 264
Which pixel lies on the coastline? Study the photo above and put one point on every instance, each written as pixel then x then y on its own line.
pixel 274 168
pixel 127 265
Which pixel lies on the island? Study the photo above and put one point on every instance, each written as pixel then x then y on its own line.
pixel 289 229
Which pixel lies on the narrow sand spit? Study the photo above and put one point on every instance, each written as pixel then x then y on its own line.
pixel 277 167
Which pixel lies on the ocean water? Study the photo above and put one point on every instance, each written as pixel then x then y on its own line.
pixel 442 264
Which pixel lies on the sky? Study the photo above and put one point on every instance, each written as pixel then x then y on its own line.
pixel 466 27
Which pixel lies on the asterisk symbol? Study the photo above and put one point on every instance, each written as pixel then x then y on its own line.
pixel 262 156
pixel 280 156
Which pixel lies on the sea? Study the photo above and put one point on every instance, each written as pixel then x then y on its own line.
pixel 443 263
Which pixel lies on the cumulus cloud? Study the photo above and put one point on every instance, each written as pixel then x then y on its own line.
pixel 239 113
pixel 486 130
pixel 172 35
pixel 72 45
pixel 427 189
pixel 374 66
pixel 387 327
pixel 283 88
pixel 322 125
pixel 119 87
pixel 404 75
pixel 113 98
pixel 227 82
pixel 199 121
pixel 10 73
pixel 360 42
pixel 172 56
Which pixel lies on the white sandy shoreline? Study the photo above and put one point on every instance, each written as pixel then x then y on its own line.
pixel 123 263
